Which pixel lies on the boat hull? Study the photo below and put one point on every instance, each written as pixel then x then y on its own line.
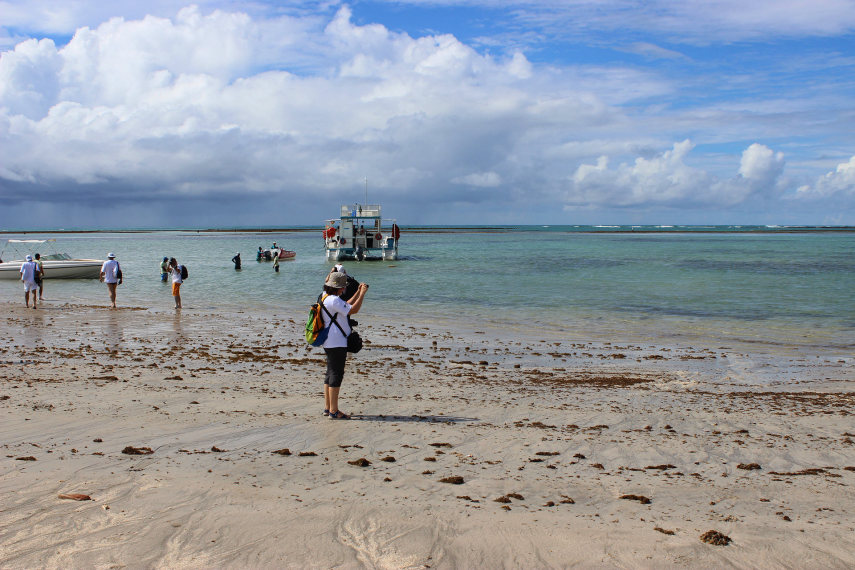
pixel 351 254
pixel 65 269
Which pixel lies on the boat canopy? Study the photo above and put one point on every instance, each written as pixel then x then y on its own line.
pixel 30 240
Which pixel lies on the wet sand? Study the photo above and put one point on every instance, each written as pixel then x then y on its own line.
pixel 197 440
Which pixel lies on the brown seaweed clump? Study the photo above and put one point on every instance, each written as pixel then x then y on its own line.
pixel 454 480
pixel 749 466
pixel 715 538
pixel 361 462
pixel 640 498
pixel 131 450
pixel 283 451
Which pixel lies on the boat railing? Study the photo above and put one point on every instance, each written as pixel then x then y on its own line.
pixel 360 211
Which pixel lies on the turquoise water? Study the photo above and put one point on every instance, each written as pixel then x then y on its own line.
pixel 762 285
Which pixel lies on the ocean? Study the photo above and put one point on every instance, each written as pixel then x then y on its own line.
pixel 784 286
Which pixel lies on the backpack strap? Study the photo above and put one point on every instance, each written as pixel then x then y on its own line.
pixel 331 316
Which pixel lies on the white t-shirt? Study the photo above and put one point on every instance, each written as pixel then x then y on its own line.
pixel 110 269
pixel 28 272
pixel 176 275
pixel 339 309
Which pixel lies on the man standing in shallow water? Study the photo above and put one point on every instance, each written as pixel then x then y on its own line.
pixel 29 273
pixel 110 275
pixel 40 277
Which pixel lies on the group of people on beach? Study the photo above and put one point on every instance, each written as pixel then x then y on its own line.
pixel 342 297
pixel 32 273
pixel 111 274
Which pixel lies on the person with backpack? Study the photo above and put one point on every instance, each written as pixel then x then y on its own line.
pixel 336 311
pixel 179 274
pixel 29 272
pixel 111 274
pixel 40 276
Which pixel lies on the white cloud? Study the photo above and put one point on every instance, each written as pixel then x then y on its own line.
pixel 173 106
pixel 760 165
pixel 653 51
pixel 839 182
pixel 667 180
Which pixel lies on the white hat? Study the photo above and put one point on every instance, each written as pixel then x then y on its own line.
pixel 111 255
pixel 29 258
pixel 339 268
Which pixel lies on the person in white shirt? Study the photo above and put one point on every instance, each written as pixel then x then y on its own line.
pixel 175 269
pixel 110 274
pixel 29 272
pixel 335 346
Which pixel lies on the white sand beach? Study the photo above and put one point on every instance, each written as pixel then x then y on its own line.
pixel 467 449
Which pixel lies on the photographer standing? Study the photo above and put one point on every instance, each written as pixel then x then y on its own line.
pixel 336 317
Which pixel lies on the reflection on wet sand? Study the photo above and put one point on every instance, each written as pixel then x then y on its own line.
pixel 177 328
pixel 113 331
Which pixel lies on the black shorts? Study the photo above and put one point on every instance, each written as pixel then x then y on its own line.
pixel 336 357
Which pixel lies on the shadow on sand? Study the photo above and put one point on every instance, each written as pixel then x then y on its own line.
pixel 413 418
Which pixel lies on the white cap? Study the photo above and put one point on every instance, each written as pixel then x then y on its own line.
pixel 29 258
pixel 111 255
pixel 340 268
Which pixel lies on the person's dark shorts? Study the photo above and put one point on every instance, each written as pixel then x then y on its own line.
pixel 336 357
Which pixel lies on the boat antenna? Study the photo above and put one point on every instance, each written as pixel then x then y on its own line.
pixel 366 190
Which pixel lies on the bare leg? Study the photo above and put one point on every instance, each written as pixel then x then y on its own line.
pixel 333 399
pixel 326 397
pixel 27 298
pixel 111 287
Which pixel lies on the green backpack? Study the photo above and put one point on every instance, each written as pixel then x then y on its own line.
pixel 316 333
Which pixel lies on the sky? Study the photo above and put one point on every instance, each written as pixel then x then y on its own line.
pixel 263 113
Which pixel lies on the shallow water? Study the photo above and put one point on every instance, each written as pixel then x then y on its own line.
pixel 773 287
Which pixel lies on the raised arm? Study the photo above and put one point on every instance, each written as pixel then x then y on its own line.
pixel 355 302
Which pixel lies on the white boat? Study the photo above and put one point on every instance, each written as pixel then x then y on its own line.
pixel 57 265
pixel 361 233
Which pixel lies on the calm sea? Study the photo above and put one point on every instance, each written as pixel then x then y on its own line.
pixel 754 284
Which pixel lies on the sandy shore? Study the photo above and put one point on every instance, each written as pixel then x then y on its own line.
pixel 479 450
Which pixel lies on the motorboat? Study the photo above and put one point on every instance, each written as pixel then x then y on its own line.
pixel 270 254
pixel 56 265
pixel 360 233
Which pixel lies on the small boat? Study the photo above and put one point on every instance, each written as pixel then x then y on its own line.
pixel 57 265
pixel 284 254
pixel 270 254
pixel 360 233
